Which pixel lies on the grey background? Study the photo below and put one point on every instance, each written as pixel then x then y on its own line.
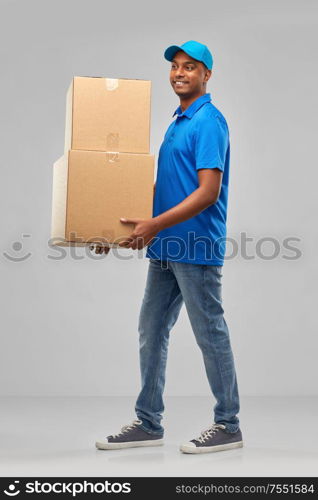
pixel 69 327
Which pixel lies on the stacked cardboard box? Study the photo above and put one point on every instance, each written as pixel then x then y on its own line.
pixel 106 171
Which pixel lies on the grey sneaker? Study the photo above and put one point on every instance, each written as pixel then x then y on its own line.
pixel 130 436
pixel 213 439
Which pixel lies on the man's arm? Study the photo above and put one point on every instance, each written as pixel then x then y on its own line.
pixel 210 151
pixel 205 195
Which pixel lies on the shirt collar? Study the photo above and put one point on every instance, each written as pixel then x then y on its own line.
pixel 189 112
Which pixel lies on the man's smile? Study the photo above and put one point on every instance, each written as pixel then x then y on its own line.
pixel 180 83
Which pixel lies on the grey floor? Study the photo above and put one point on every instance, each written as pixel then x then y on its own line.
pixel 56 437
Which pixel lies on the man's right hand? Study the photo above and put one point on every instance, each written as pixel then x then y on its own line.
pixel 99 249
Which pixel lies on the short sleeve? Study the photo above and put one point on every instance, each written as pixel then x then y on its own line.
pixel 211 143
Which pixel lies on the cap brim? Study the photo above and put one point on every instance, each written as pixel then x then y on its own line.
pixel 173 49
pixel 170 52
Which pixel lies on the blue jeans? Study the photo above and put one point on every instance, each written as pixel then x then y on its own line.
pixel 169 284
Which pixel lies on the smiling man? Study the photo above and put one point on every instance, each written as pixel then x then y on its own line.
pixel 186 247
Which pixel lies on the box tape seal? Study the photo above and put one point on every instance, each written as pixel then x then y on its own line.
pixel 111 83
pixel 112 156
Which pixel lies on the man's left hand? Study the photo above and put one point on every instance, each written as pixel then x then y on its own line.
pixel 144 232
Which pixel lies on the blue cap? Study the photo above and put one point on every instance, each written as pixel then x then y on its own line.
pixel 194 49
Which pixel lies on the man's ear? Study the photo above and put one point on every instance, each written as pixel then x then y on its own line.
pixel 208 75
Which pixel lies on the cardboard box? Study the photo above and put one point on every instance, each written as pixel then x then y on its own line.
pixel 92 190
pixel 107 114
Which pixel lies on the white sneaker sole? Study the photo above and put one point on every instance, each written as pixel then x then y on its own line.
pixel 206 449
pixel 132 444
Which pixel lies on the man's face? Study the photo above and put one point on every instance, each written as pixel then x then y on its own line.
pixel 188 77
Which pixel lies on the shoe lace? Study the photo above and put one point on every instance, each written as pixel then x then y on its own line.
pixel 207 433
pixel 127 427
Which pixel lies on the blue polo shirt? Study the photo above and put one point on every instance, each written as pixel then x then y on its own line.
pixel 197 138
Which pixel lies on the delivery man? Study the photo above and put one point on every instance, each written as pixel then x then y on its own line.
pixel 186 247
